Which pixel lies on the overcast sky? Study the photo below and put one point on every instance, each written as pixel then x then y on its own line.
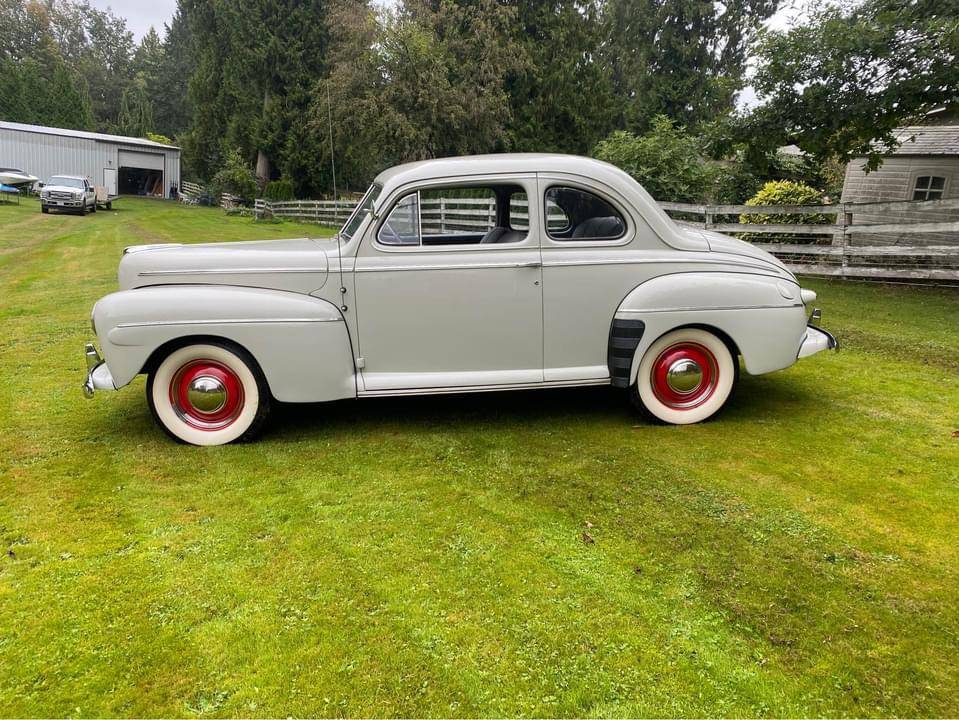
pixel 141 14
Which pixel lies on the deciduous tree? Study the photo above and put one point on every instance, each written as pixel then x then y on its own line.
pixel 838 85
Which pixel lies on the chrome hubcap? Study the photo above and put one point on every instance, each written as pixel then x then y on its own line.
pixel 684 376
pixel 206 394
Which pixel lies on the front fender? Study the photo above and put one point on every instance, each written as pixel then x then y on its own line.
pixel 300 342
pixel 763 316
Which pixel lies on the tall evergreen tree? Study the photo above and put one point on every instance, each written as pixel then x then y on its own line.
pixel 256 62
pixel 36 84
pixel 562 98
pixel 684 59
pixel 98 48
pixel 426 80
pixel 172 109
pixel 136 111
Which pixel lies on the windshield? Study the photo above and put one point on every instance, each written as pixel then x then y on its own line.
pixel 361 211
pixel 66 182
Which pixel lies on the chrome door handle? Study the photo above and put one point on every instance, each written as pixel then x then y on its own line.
pixel 531 264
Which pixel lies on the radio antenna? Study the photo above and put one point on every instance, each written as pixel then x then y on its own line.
pixel 339 251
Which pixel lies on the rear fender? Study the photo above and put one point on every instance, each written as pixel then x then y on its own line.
pixel 762 317
pixel 301 343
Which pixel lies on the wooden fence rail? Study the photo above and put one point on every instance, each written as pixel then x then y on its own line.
pixel 850 244
pixel 858 245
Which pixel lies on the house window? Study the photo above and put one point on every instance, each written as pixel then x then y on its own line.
pixel 929 187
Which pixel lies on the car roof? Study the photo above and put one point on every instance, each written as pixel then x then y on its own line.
pixel 69 177
pixel 495 164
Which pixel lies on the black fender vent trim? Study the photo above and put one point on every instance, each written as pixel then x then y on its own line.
pixel 624 337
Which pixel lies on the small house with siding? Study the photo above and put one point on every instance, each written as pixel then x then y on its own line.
pixel 925 167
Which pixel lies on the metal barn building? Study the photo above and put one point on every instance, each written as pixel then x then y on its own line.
pixel 124 165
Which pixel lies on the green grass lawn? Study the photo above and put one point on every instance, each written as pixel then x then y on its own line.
pixel 426 556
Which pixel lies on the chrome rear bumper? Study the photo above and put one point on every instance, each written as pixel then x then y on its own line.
pixel 816 340
pixel 98 374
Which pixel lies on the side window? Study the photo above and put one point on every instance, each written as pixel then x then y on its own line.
pixel 519 211
pixel 557 221
pixel 574 214
pixel 458 215
pixel 929 187
pixel 454 216
pixel 402 227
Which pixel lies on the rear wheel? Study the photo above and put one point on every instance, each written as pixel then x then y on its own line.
pixel 209 394
pixel 685 377
pixel 93 208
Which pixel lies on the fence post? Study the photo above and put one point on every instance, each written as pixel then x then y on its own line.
pixel 708 217
pixel 846 222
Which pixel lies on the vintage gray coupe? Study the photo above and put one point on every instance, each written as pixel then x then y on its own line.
pixel 456 275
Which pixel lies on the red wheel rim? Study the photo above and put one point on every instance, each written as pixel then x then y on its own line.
pixel 684 375
pixel 206 394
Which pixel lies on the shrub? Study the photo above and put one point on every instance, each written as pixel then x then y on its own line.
pixel 156 137
pixel 277 190
pixel 239 212
pixel 667 161
pixel 785 192
pixel 236 178
pixel 733 181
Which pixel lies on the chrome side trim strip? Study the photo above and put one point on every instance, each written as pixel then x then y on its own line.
pixel 481 388
pixel 661 261
pixel 701 309
pixel 458 266
pixel 229 271
pixel 231 321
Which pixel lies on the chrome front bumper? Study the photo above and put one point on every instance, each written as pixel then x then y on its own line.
pixel 98 374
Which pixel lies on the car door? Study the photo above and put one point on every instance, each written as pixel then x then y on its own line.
pixel 593 255
pixel 448 285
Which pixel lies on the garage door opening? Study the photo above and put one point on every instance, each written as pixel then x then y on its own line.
pixel 141 181
pixel 141 173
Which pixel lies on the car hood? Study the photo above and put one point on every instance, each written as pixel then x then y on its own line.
pixel 63 189
pixel 719 243
pixel 299 265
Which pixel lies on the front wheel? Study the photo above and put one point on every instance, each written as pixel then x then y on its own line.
pixel 209 394
pixel 685 377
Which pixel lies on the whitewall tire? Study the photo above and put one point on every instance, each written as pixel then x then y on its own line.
pixel 685 377
pixel 208 394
